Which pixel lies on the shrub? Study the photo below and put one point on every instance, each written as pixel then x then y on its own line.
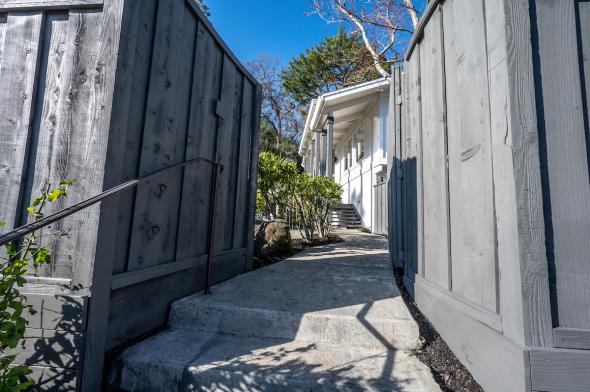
pixel 314 198
pixel 283 188
pixel 275 184
pixel 31 252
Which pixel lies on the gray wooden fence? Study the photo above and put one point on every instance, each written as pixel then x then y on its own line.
pixel 490 213
pixel 380 207
pixel 104 91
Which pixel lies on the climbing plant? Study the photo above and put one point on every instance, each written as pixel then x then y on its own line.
pixel 28 254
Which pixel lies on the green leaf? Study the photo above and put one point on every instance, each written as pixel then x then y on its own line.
pixel 2 223
pixel 10 249
pixel 42 256
pixel 54 195
pixel 38 200
pixel 68 182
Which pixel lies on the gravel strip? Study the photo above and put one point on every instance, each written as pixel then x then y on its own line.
pixel 448 372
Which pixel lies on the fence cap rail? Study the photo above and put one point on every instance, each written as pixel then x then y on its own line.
pixel 432 6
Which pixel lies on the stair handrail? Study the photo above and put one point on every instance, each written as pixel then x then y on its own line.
pixel 22 231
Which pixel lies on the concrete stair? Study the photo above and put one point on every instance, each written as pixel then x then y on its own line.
pixel 325 320
pixel 346 217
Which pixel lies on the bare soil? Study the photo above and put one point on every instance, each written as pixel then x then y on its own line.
pixel 446 369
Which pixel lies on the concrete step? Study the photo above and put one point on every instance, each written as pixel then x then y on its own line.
pixel 349 304
pixel 178 360
pixel 322 326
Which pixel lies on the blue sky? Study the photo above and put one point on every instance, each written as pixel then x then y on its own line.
pixel 278 28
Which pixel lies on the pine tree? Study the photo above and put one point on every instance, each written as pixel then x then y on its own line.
pixel 338 61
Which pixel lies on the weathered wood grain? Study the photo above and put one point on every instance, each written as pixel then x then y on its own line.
pixel 413 158
pixel 225 111
pixel 155 223
pixel 97 272
pixel 253 158
pixel 508 278
pixel 229 227
pixel 3 20
pixel 42 347
pixel 57 312
pixel 127 316
pixel 471 194
pixel 241 235
pixel 483 350
pixel 45 124
pixel 201 142
pixel 522 118
pixel 129 108
pixel 18 79
pixel 433 157
pixel 47 5
pixel 566 156
pixel 560 370
pixel 575 338
pixel 584 38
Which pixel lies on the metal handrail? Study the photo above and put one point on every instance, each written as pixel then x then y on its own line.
pixel 33 226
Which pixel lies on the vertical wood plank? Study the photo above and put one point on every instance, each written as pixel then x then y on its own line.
pixel 18 80
pixel 253 159
pixel 45 132
pixel 241 235
pixel 436 246
pixel 196 191
pixel 97 271
pixel 471 195
pixel 522 115
pixel 413 158
pixel 155 223
pixel 510 303
pixel 72 145
pixel 128 116
pixel 567 160
pixel 232 175
pixel 584 21
pixel 225 110
pixel 3 20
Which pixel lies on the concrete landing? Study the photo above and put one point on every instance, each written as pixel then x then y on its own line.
pixel 331 318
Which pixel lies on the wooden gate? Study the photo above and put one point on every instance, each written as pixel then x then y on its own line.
pixel 380 208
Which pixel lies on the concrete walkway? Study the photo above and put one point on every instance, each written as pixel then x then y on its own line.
pixel 329 319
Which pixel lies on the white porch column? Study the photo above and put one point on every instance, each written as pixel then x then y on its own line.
pixel 311 158
pixel 318 154
pixel 330 147
pixel 324 155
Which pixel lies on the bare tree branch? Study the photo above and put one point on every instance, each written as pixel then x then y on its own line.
pixel 383 25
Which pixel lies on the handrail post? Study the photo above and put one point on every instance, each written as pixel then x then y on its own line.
pixel 211 229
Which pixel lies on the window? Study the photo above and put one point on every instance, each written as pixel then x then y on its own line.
pixel 348 157
pixel 359 138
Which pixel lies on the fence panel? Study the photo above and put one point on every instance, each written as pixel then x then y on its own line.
pixel 104 91
pixel 380 205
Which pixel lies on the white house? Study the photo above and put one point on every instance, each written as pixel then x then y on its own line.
pixel 350 126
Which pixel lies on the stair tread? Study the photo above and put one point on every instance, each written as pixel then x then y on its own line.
pixel 180 360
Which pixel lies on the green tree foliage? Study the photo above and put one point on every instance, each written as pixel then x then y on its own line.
pixel 338 61
pixel 32 252
pixel 275 183
pixel 283 188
